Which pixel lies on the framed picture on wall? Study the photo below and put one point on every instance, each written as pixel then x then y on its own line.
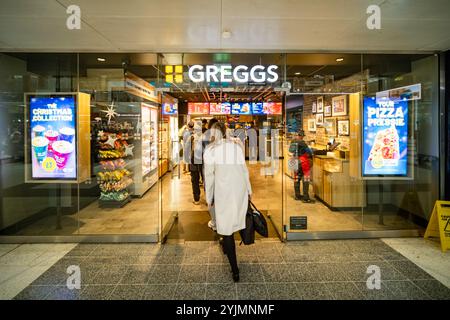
pixel 339 106
pixel 319 119
pixel 330 127
pixel 319 104
pixel 343 127
pixel 327 111
pixel 312 125
pixel 314 107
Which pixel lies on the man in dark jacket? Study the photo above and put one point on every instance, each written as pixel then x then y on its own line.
pixel 300 150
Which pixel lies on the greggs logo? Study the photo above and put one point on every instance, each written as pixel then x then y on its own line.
pixel 174 74
pixel 228 73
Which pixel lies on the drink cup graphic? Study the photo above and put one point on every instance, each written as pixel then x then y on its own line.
pixel 66 134
pixel 52 136
pixel 38 131
pixel 40 145
pixel 61 152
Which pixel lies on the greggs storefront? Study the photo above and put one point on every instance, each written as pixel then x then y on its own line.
pixel 92 148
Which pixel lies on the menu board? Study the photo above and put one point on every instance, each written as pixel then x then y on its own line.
pixel 53 138
pixel 170 109
pixel 219 108
pixel 272 108
pixel 198 108
pixel 385 138
pixel 258 108
pixel 241 108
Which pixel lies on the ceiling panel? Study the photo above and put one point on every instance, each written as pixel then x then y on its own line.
pixel 197 25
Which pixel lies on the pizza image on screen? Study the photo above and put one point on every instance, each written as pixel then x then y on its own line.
pixel 385 150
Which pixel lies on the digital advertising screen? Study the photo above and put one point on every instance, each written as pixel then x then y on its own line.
pixel 257 108
pixel 219 108
pixel 385 138
pixel 53 137
pixel 198 108
pixel 170 109
pixel 272 108
pixel 241 108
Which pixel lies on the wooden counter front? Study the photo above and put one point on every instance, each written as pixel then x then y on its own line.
pixel 333 184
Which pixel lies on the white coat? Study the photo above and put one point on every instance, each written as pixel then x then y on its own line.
pixel 227 184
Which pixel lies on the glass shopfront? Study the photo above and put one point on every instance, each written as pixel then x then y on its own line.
pixel 91 145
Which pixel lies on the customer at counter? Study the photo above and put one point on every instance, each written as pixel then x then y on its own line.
pixel 300 151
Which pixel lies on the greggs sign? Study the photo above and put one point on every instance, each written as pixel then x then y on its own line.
pixel 228 73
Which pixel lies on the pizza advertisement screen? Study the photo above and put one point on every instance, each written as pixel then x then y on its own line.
pixel 385 138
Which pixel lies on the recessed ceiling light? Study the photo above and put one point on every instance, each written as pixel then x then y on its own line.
pixel 339 59
pixel 101 59
pixel 298 73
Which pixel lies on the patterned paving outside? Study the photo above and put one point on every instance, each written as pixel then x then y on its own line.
pixel 335 269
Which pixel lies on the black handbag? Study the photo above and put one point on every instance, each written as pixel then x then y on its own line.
pixel 248 234
pixel 259 222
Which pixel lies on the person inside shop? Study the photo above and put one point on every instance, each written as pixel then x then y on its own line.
pixel 196 160
pixel 189 129
pixel 204 125
pixel 300 151
pixel 228 190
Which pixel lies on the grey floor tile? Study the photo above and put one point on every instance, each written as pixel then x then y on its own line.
pixel 199 259
pixel 392 256
pixel 159 292
pixel 55 275
pixel 128 292
pixel 296 270
pixel 311 272
pixel 146 259
pixel 268 249
pixel 406 290
pixel 165 274
pixel 345 291
pixel 137 274
pixel 330 272
pixel 375 294
pixel 221 291
pixel 252 291
pixel 190 291
pixel 89 272
pixel 283 291
pixel 357 271
pixel 314 291
pixel 250 273
pixel 245 258
pixel 97 292
pixel 410 270
pixel 193 274
pixel 219 273
pixel 64 293
pixel 246 250
pixel 70 261
pixel 82 250
pixel 271 258
pixel 35 292
pixel 151 250
pixel 174 249
pixel 110 275
pixel 169 259
pixel 434 289
pixel 277 273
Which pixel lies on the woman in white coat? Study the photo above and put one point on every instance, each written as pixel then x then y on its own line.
pixel 227 189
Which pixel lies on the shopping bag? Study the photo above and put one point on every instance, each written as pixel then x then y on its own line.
pixel 248 234
pixel 259 222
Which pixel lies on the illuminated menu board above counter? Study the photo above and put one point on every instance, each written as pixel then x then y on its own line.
pixel 241 108
pixel 198 108
pixel 219 108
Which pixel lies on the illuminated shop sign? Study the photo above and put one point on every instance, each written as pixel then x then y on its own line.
pixel 228 73
pixel 385 138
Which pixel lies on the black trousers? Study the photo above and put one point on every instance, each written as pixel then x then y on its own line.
pixel 301 177
pixel 229 247
pixel 196 173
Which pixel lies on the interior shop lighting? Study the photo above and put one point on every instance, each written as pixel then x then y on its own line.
pixel 101 59
pixel 339 59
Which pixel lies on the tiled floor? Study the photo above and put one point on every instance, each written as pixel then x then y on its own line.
pixel 334 269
